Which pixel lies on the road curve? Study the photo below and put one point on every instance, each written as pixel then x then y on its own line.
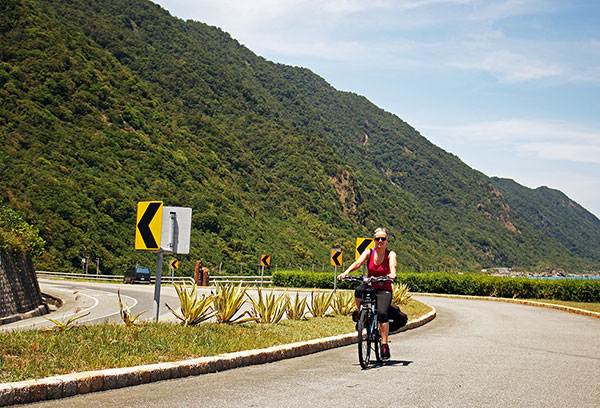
pixel 475 353
pixel 99 300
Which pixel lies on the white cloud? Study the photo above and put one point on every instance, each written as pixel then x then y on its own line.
pixel 511 66
pixel 546 139
pixel 565 151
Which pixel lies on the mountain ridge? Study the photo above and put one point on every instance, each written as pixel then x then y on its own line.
pixel 127 103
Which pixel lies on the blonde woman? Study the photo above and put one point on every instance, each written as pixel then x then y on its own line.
pixel 381 262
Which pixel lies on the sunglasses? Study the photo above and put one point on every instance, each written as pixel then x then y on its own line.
pixel 380 239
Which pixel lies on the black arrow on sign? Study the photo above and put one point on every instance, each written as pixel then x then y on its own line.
pixel 363 245
pixel 336 258
pixel 144 225
pixel 265 260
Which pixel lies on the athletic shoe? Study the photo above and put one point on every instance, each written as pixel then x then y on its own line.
pixel 355 316
pixel 385 352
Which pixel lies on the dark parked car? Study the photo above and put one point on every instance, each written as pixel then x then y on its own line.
pixel 139 274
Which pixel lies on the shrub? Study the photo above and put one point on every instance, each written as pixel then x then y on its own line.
pixel 269 309
pixel 577 290
pixel 401 294
pixel 320 303
pixel 194 309
pixel 17 236
pixel 343 303
pixel 296 309
pixel 227 302
pixel 125 312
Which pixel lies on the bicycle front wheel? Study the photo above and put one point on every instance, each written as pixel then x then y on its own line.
pixel 364 338
pixel 377 345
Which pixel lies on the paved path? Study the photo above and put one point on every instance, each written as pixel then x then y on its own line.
pixel 474 354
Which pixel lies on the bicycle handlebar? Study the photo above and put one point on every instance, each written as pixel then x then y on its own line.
pixel 368 279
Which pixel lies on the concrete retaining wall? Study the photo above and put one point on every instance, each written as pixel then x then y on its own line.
pixel 20 295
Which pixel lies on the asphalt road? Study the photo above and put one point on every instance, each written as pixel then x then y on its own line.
pixel 474 354
pixel 100 301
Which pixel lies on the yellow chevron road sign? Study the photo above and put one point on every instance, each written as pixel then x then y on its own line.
pixel 362 244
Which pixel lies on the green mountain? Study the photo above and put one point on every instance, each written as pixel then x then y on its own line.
pixel 107 103
pixel 555 215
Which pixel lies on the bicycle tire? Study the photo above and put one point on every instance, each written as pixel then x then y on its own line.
pixel 377 345
pixel 364 338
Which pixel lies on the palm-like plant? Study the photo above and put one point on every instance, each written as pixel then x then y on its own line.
pixel 227 302
pixel 296 309
pixel 269 309
pixel 320 303
pixel 401 294
pixel 194 309
pixel 125 312
pixel 343 303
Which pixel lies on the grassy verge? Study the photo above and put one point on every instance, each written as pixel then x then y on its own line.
pixel 35 354
pixel 594 307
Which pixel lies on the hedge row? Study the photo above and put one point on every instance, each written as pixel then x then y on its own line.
pixel 575 290
pixel 301 279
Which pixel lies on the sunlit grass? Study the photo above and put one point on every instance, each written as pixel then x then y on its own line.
pixel 593 307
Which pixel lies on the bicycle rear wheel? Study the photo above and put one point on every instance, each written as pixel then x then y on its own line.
pixel 364 338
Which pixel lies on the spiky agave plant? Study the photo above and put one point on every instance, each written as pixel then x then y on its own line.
pixel 227 302
pixel 194 309
pixel 319 304
pixel 125 312
pixel 296 309
pixel 269 309
pixel 64 324
pixel 343 303
pixel 401 294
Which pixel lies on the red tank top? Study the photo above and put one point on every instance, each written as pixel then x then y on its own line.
pixel 383 269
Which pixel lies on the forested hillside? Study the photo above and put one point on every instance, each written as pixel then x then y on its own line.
pixel 107 103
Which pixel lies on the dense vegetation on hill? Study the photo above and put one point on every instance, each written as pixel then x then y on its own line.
pixel 555 215
pixel 107 103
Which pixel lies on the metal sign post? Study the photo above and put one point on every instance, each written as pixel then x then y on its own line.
pixel 156 306
pixel 335 280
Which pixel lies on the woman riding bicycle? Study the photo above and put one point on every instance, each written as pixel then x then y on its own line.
pixel 382 262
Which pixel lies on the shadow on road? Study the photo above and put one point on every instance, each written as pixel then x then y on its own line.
pixel 389 363
pixel 394 363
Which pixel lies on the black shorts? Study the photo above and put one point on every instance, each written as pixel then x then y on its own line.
pixel 384 300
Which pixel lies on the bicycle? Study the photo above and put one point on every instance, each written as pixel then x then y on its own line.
pixel 369 337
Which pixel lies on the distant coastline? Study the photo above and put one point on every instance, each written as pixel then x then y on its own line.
pixel 548 274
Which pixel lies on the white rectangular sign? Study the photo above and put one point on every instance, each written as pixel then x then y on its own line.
pixel 176 230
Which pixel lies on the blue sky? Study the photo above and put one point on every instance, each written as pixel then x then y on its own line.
pixel 512 87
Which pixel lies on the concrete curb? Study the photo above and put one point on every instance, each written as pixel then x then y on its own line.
pixel 517 301
pixel 38 311
pixel 68 385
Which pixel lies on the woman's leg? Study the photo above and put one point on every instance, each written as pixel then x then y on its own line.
pixel 384 299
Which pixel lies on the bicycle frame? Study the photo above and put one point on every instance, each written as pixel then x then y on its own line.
pixel 369 337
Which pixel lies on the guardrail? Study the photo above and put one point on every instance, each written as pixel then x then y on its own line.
pixel 115 278
pixel 244 280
